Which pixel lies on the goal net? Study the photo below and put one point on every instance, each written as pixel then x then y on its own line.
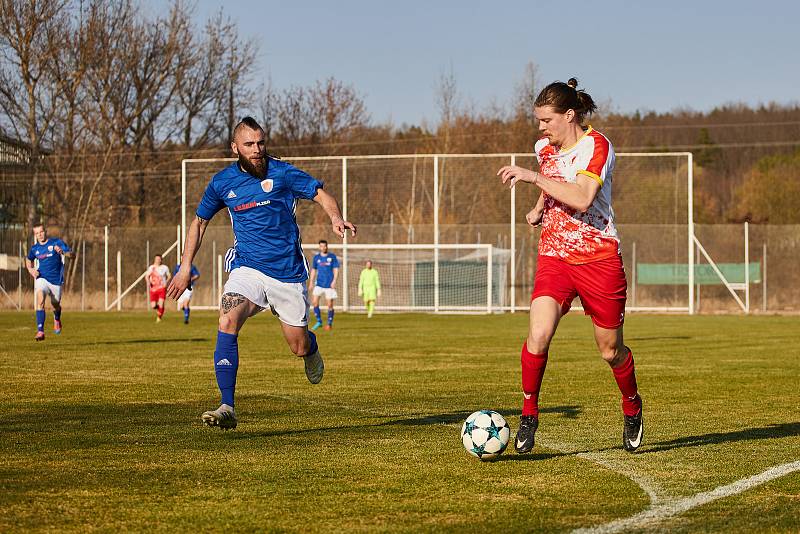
pixel 443 278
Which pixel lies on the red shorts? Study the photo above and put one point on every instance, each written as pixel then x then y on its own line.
pixel 601 286
pixel 158 294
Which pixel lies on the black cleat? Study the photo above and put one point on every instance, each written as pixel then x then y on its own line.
pixel 633 432
pixel 526 434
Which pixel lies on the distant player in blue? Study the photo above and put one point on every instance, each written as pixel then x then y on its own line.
pixel 45 263
pixel 324 272
pixel 186 296
pixel 268 269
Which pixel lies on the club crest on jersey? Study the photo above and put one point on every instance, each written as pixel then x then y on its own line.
pixel 50 248
pixel 266 185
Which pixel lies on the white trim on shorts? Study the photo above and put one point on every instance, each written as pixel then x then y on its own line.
pixel 40 284
pixel 287 300
pixel 329 292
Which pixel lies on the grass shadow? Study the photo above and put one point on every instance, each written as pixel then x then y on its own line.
pixel 151 341
pixel 570 411
pixel 773 431
pixel 530 457
pixel 656 338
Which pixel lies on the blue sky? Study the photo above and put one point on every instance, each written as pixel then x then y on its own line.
pixel 643 55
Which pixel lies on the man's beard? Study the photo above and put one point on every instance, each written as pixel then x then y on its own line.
pixel 258 170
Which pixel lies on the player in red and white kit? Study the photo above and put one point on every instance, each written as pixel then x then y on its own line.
pixel 157 277
pixel 579 251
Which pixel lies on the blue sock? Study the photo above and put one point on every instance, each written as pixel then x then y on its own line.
pixel 226 364
pixel 40 316
pixel 313 347
pixel 330 315
pixel 57 314
pixel 318 314
pixel 186 313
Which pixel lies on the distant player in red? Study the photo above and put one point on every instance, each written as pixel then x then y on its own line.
pixel 157 277
pixel 578 251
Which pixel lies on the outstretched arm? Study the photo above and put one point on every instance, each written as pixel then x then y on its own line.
pixel 194 237
pixel 331 207
pixel 578 195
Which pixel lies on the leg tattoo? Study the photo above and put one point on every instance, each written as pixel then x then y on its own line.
pixel 230 301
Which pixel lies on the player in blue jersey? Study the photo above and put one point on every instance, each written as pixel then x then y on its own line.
pixel 45 263
pixel 324 272
pixel 186 296
pixel 268 269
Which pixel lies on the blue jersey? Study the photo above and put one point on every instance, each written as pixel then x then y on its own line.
pixel 193 273
pixel 265 232
pixel 325 266
pixel 51 264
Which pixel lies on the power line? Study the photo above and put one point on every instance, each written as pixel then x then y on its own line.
pixel 433 137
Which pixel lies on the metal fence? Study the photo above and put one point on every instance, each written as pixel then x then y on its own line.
pixel 457 199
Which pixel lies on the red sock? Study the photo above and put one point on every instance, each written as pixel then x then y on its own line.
pixel 160 311
pixel 532 373
pixel 625 375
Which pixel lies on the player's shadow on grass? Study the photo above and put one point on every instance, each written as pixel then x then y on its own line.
pixel 423 420
pixel 655 338
pixel 529 457
pixel 459 417
pixel 774 431
pixel 158 341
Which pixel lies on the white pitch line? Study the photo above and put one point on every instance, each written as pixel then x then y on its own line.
pixel 660 512
pixel 648 486
pixel 652 490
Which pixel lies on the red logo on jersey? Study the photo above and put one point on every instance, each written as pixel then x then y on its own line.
pixel 248 205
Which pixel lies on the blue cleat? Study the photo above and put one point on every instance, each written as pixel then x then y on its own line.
pixel 316 325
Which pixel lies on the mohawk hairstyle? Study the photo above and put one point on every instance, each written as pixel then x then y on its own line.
pixel 246 122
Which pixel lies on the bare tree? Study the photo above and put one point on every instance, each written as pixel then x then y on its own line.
pixel 238 65
pixel 525 93
pixel 31 44
pixel 267 102
pixel 203 88
pixel 446 93
pixel 338 109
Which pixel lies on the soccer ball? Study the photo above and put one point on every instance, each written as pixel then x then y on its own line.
pixel 485 434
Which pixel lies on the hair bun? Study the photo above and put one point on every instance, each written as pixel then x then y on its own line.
pixel 573 82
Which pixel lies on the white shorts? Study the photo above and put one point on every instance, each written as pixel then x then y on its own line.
pixel 186 295
pixel 40 284
pixel 287 300
pixel 329 292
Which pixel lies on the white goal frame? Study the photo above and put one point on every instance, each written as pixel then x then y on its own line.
pixel 691 238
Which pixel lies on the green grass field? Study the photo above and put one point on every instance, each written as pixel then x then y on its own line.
pixel 100 427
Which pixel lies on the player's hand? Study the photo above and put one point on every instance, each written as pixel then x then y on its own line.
pixel 178 285
pixel 379 292
pixel 359 293
pixel 34 273
pixel 58 250
pixel 340 226
pixel 534 217
pixel 512 174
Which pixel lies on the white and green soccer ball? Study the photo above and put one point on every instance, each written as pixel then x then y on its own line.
pixel 485 434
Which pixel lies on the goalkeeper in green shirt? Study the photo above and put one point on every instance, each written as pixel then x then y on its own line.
pixel 369 287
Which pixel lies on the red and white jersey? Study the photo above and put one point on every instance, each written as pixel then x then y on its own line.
pixel 157 276
pixel 568 234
